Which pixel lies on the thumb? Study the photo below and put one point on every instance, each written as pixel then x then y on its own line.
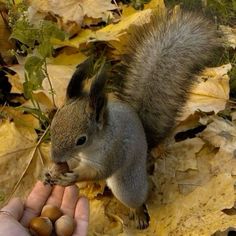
pixel 14 208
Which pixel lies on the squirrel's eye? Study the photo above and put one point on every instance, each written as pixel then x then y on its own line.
pixel 81 140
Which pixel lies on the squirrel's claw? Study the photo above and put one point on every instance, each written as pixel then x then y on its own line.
pixel 65 179
pixel 140 216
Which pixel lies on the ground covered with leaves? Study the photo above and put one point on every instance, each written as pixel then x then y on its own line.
pixel 193 179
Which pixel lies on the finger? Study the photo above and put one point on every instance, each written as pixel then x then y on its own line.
pixel 81 217
pixel 56 196
pixel 35 202
pixel 70 198
pixel 15 208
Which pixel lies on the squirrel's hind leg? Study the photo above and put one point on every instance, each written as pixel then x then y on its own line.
pixel 131 188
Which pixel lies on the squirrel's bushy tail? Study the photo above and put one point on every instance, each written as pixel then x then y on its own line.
pixel 162 57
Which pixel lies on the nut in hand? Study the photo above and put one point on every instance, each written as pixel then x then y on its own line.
pixel 64 226
pixel 40 226
pixel 52 212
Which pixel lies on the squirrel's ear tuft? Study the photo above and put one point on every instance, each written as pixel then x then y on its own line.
pixel 74 88
pixel 97 96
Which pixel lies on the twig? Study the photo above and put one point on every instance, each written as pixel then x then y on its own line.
pixel 50 83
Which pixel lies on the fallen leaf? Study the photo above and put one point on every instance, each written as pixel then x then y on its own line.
pixel 229 35
pixel 5 45
pixel 101 222
pixel 68 59
pixel 210 93
pixel 92 190
pixel 155 4
pixel 186 151
pixel 98 9
pixel 112 32
pixel 16 83
pixel 74 10
pixel 220 133
pixel 59 75
pixel 43 101
pixel 198 213
pixel 20 119
pixel 22 160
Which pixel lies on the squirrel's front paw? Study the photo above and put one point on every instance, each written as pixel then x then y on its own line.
pixel 64 179
pixel 60 175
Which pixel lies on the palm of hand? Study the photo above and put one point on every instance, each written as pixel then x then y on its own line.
pixel 66 199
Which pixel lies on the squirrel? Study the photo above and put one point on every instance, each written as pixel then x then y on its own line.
pixel 105 138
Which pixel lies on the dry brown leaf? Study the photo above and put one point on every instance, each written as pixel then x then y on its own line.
pixel 229 35
pixel 198 213
pixel 21 160
pixel 186 151
pixel 43 101
pixel 220 133
pixel 191 179
pixel 92 190
pixel 70 10
pixel 35 16
pixel 5 44
pixel 60 76
pixel 98 9
pixel 20 119
pixel 210 93
pixel 74 10
pixel 112 32
pixel 68 59
pixel 16 83
pixel 101 222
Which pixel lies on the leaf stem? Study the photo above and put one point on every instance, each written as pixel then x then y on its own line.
pixel 49 81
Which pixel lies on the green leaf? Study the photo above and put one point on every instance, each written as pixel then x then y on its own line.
pixel 35 74
pixel 48 30
pixel 25 33
pixel 28 88
pixel 51 30
pixel 45 49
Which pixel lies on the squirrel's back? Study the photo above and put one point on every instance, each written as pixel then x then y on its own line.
pixel 162 57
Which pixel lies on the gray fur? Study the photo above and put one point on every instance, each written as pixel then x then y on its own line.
pixel 161 60
pixel 117 152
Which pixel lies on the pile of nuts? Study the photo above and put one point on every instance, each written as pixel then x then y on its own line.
pixel 51 222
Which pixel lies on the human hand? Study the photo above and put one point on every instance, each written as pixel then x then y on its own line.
pixel 15 216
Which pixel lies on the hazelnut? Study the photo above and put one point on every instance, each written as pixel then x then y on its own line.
pixel 64 226
pixel 52 212
pixel 40 226
pixel 59 168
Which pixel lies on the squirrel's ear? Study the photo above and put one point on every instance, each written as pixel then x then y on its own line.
pixel 74 88
pixel 97 96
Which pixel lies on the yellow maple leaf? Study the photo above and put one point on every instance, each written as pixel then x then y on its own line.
pixel 22 159
pixel 210 93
